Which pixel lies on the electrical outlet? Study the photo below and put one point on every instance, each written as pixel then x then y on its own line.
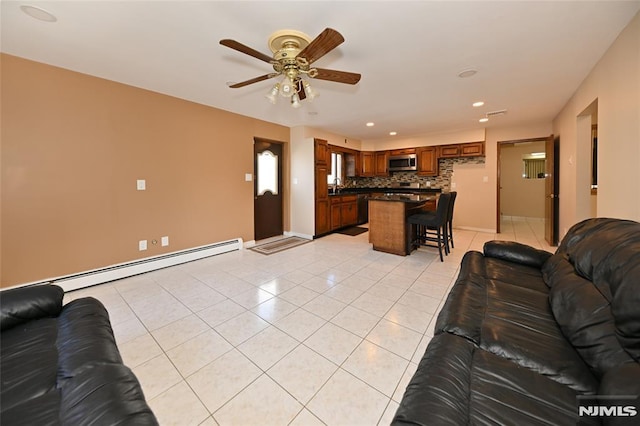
pixel 141 184
pixel 164 241
pixel 142 245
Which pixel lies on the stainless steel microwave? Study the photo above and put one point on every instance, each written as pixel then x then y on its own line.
pixel 401 163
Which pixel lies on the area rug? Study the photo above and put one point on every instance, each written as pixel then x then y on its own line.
pixel 353 231
pixel 280 245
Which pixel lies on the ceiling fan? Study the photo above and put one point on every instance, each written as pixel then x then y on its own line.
pixel 293 54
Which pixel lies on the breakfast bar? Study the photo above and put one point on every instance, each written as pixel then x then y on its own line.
pixel 388 228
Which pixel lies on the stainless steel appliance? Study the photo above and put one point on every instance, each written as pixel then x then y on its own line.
pixel 401 163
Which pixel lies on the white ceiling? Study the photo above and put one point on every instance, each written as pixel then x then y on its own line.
pixel 530 56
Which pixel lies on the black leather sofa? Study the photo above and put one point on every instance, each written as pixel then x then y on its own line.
pixel 59 365
pixel 528 338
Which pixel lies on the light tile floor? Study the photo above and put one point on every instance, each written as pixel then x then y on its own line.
pixel 329 332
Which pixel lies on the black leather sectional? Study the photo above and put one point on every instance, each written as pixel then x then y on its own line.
pixel 59 365
pixel 530 338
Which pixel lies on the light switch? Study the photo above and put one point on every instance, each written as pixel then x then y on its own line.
pixel 248 177
pixel 295 181
pixel 164 241
pixel 141 184
pixel 142 245
pixel 485 179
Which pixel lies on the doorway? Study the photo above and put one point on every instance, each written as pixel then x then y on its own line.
pixel 522 180
pixel 267 205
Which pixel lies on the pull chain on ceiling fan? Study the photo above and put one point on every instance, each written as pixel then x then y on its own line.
pixel 293 54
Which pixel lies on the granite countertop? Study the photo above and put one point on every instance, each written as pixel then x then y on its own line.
pixel 367 190
pixel 404 197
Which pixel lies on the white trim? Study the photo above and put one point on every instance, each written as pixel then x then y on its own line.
pixel 298 234
pixel 139 266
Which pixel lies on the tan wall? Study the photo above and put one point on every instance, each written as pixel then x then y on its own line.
pixel 615 84
pixel 519 196
pixel 73 147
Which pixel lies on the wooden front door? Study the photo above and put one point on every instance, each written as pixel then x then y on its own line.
pixel 267 206
pixel 552 184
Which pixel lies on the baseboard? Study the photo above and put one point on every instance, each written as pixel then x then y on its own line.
pixel 139 266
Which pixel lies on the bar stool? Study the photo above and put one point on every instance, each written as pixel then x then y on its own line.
pixel 432 227
pixel 452 202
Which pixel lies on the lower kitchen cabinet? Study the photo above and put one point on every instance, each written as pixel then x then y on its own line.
pixel 344 211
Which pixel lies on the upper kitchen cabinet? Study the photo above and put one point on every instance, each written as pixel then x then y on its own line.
pixel 471 149
pixel 322 153
pixel 404 151
pixel 367 164
pixel 381 163
pixel 427 161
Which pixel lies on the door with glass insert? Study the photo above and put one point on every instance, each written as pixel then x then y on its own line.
pixel 267 189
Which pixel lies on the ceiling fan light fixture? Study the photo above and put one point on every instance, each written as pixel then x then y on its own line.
pixel 309 91
pixel 287 87
pixel 295 101
pixel 273 93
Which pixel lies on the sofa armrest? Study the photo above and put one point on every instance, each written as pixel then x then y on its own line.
pixel 20 305
pixel 516 252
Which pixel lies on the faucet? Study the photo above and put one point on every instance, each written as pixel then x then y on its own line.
pixel 336 185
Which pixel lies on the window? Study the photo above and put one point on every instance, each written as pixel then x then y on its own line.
pixel 336 176
pixel 267 175
pixel 534 168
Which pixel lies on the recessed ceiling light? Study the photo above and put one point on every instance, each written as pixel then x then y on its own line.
pixel 371 124
pixel 483 120
pixel 38 13
pixel 478 104
pixel 467 73
pixel 393 133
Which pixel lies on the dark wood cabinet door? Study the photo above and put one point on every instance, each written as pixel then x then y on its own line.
pixel 321 151
pixel 427 161
pixel 323 224
pixel 382 163
pixel 450 151
pixel 367 162
pixel 472 149
pixel 349 212
pixel 336 215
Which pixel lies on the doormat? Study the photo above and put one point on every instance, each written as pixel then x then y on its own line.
pixel 280 245
pixel 353 231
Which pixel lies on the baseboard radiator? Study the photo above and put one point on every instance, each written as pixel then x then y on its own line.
pixel 128 269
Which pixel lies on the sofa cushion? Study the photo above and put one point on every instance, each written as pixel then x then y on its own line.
pixel 584 316
pixel 512 320
pixel 605 252
pixel 23 304
pixel 457 383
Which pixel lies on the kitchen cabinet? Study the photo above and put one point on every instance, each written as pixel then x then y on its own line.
pixel 321 196
pixel 449 151
pixel 404 151
pixel 344 211
pixel 427 161
pixel 381 163
pixel 367 163
pixel 323 221
pixel 322 153
pixel 471 149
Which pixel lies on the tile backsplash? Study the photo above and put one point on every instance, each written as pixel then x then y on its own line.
pixel 442 181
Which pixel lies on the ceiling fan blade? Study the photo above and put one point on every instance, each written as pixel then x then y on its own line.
pixel 253 80
pixel 328 40
pixel 300 89
pixel 338 76
pixel 235 45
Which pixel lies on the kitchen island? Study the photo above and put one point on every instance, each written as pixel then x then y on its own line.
pixel 388 227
